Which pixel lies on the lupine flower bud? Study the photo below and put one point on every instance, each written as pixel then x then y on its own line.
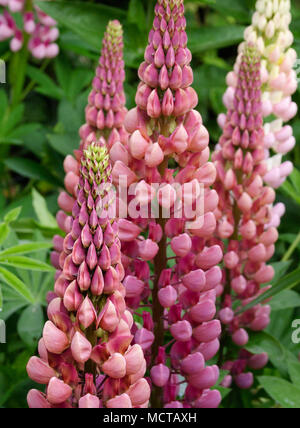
pixel 259 361
pixel 160 375
pixel 37 400
pixel 167 296
pixel 119 402
pixel 244 380
pixel 39 371
pixel 57 391
pixel 89 401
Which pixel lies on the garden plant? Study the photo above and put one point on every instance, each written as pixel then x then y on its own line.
pixel 150 186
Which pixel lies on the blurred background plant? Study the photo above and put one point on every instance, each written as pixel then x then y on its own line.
pixel 41 109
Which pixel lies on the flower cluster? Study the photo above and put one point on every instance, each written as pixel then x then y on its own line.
pixel 104 121
pixel 168 145
pixel 245 212
pixel 137 290
pixel 39 30
pixel 87 359
pixel 270 33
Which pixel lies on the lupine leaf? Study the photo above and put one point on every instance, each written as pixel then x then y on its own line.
pixel 231 8
pixel 285 300
pixel 286 283
pixel 46 85
pixel 85 19
pixel 294 371
pixel 18 285
pixel 205 38
pixel 4 231
pixel 40 207
pixel 13 215
pixel 136 14
pixel 21 262
pixel 29 168
pixel 25 248
pixel 264 342
pixel 30 324
pixel 283 392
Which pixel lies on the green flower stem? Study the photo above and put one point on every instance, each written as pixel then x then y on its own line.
pixel 32 83
pixel 18 67
pixel 291 250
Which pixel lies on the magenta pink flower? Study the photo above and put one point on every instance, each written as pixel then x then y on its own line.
pixel 168 147
pixel 105 114
pixel 244 213
pixel 39 28
pixel 87 358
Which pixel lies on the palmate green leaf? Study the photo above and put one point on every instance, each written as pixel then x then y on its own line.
pixel 136 14
pixel 46 85
pixel 11 305
pixel 286 283
pixel 14 282
pixel 27 226
pixel 70 41
pixel 30 324
pixel 13 215
pixel 11 141
pixel 30 169
pixel 72 81
pixel 10 121
pixel 280 269
pixel 85 19
pixel 295 179
pixel 41 210
pixel 21 262
pixel 205 38
pixel 281 328
pixel 284 393
pixel 70 115
pixel 63 143
pixel 294 371
pixel 285 300
pixel 4 231
pixel 291 187
pixel 25 129
pixel 265 342
pixel 209 77
pixel 25 248
pixel 230 8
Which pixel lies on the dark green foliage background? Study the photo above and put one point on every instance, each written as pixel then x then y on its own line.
pixel 39 125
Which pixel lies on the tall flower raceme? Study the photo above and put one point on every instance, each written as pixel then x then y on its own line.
pixel 105 115
pixel 38 29
pixel 86 356
pixel 270 32
pixel 244 215
pixel 168 149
